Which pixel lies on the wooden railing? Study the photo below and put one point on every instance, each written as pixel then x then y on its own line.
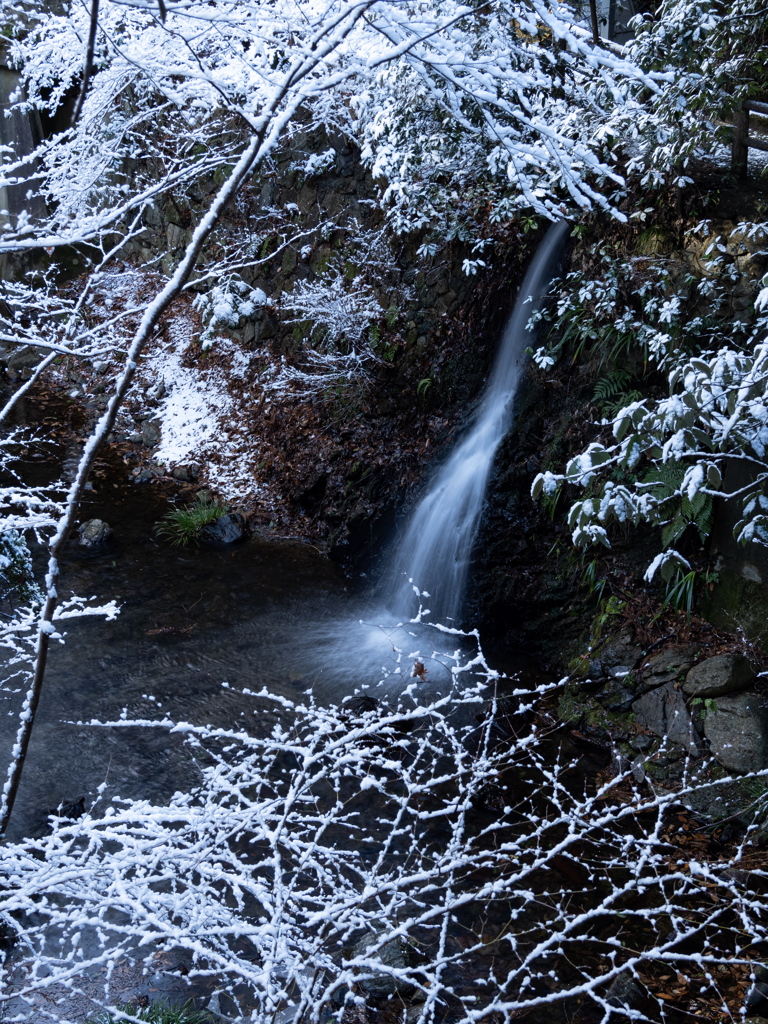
pixel 742 141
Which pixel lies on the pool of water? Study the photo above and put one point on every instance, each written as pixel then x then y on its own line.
pixel 262 613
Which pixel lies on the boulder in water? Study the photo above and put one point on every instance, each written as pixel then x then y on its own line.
pixel 94 533
pixel 225 530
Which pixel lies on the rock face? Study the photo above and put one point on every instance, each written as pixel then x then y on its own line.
pixel 663 712
pixel 737 730
pixel 225 530
pixel 666 666
pixel 718 676
pixel 94 533
pixel 616 658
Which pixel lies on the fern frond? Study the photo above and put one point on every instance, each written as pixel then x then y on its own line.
pixel 612 384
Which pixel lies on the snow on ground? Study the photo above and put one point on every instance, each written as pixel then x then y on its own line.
pixel 720 155
pixel 196 404
pixel 198 414
pixel 188 392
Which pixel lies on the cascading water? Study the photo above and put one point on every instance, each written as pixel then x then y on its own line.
pixel 20 134
pixel 435 549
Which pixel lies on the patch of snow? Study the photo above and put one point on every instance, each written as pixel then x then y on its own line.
pixel 198 416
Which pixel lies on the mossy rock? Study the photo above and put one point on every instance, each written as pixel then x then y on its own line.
pixel 745 800
pixel 738 601
pixel 654 240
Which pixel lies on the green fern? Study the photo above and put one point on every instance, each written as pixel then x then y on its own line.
pixel 621 401
pixel 676 511
pixel 610 393
pixel 610 386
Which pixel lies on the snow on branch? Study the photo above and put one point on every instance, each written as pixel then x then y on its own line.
pixel 339 311
pixel 329 853
pixel 670 456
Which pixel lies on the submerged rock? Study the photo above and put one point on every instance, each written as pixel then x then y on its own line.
pixel 94 533
pixel 737 730
pixel 718 676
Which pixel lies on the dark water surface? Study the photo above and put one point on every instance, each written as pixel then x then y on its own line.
pixel 262 613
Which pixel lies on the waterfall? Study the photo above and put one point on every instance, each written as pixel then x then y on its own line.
pixel 20 135
pixel 435 548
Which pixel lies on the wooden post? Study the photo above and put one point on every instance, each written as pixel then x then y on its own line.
pixel 740 144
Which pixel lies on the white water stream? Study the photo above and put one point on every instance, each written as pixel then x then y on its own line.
pixel 434 550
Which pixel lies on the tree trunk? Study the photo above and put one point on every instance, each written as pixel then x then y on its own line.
pixel 739 147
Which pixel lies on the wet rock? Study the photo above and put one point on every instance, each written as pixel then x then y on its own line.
pixel 69 810
pixel 135 437
pixel 615 696
pixel 392 954
pixel 616 657
pixel 718 676
pixel 177 236
pixel 171 983
pixel 150 433
pixel 361 704
pixel 225 530
pixel 94 533
pixel 663 712
pixel 666 666
pixel 187 473
pixel 624 991
pixel 757 998
pixel 23 357
pixel 413 1014
pixel 732 801
pixel 737 730
pixel 641 742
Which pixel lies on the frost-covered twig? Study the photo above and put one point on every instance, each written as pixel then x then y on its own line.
pixel 331 853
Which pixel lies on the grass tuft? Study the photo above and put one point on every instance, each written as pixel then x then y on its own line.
pixel 156 1013
pixel 182 526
